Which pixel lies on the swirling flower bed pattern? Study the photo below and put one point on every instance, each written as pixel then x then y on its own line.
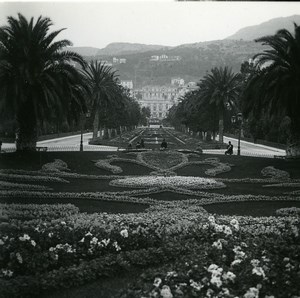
pixel 46 247
pixel 177 181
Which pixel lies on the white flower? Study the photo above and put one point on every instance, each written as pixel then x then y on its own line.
pixel 166 292
pixel 196 285
pixel 24 237
pixel 105 242
pixel 50 235
pixel 19 258
pixel 94 241
pixel 172 273
pixel 252 293
pixel 258 271
pixel 211 219
pixel 8 272
pixel 33 243
pixel 229 275
pixel 116 246
pixel 124 233
pixel 82 240
pixel 218 228
pixel 255 262
pixel 63 223
pixel 236 262
pixel 217 244
pixel 235 223
pixel 51 249
pixel 157 282
pixel 212 267
pixel 1 242
pixel 225 291
pixel 227 231
pixel 215 280
pixel 88 234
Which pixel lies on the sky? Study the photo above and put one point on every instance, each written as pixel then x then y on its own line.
pixel 163 22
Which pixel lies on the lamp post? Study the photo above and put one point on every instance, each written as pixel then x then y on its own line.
pixel 238 119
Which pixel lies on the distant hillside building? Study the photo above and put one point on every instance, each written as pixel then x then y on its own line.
pixel 164 58
pixel 177 82
pixel 116 60
pixel 127 84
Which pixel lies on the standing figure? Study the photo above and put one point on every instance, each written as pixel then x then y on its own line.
pixel 229 149
pixel 142 143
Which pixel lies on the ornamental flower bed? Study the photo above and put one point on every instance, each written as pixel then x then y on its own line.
pixel 46 254
pixel 20 186
pixel 274 173
pixel 234 264
pixel 293 211
pixel 177 181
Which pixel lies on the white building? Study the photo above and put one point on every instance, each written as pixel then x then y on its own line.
pixel 159 99
pixel 127 84
pixel 177 82
pixel 115 60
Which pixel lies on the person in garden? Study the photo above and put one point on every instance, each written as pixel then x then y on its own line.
pixel 138 145
pixel 163 145
pixel 142 143
pixel 129 147
pixel 229 149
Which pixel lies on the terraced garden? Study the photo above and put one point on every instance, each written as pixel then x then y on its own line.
pixel 148 223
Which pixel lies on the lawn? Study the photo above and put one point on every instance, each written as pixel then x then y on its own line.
pixel 148 224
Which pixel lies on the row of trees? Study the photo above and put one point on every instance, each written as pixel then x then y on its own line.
pixel 43 83
pixel 266 91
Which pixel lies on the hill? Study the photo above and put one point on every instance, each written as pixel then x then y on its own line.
pixel 122 48
pixel 195 60
pixel 267 28
pixel 84 51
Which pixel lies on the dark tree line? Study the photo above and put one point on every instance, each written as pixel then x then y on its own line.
pixel 266 91
pixel 44 87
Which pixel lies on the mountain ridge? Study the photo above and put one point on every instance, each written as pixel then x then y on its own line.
pixel 269 27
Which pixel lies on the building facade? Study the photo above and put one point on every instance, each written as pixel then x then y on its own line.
pixel 159 99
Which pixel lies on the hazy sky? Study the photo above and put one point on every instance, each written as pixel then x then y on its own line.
pixel 163 22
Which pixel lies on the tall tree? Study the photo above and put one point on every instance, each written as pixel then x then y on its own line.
pixel 278 82
pixel 221 88
pixel 37 76
pixel 105 93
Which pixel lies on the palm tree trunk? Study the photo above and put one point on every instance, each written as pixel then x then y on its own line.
pixel 109 133
pixel 221 127
pixel 96 125
pixel 27 128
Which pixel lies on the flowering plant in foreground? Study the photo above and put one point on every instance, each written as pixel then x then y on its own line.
pixel 237 265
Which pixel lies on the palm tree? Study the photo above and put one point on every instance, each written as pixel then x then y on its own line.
pixel 37 76
pixel 221 89
pixel 104 91
pixel 278 81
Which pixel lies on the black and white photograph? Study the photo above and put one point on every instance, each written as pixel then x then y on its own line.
pixel 149 149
